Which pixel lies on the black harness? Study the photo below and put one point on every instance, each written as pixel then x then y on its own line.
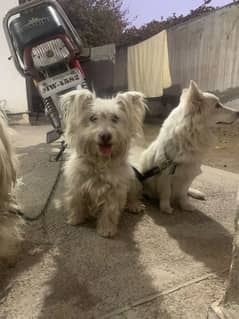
pixel 158 170
pixel 168 163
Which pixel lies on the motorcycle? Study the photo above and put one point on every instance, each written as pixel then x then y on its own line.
pixel 45 47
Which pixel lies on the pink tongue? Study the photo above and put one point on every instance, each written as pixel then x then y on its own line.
pixel 106 150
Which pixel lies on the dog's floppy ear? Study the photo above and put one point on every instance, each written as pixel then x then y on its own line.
pixel 75 102
pixel 133 104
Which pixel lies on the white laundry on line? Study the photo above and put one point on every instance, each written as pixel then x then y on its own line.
pixel 148 66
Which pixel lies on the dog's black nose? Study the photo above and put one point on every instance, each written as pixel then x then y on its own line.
pixel 105 137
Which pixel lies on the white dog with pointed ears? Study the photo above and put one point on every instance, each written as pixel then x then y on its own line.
pixel 99 180
pixel 184 138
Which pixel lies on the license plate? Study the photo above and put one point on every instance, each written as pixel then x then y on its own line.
pixel 60 83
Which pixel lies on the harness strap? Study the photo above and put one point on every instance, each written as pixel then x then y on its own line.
pixel 138 175
pixel 156 170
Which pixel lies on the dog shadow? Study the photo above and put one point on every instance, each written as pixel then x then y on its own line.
pixel 92 276
pixel 105 278
pixel 97 277
pixel 199 236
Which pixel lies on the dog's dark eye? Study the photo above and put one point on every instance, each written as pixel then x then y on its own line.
pixel 218 106
pixel 115 119
pixel 93 118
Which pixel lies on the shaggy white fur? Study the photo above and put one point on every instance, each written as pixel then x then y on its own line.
pixel 184 138
pixel 99 179
pixel 11 225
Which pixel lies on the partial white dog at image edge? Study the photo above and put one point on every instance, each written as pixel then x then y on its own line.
pixel 184 138
pixel 98 178
pixel 11 224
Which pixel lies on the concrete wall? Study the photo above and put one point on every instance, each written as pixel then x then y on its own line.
pixel 99 75
pixel 120 70
pixel 12 85
pixel 107 69
pixel 206 49
pixel 99 70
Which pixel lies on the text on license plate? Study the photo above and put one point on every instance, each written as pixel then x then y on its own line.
pixel 60 83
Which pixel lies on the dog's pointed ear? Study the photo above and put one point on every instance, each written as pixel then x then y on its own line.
pixel 133 105
pixel 195 94
pixel 192 98
pixel 76 102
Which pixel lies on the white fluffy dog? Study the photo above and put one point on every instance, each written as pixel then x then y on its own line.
pixel 11 224
pixel 184 138
pixel 99 179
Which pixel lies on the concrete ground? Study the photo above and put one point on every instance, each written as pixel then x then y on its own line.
pixel 157 267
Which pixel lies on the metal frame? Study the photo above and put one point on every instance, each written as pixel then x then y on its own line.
pixel 29 5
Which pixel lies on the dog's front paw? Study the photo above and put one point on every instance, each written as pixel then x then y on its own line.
pixel 166 209
pixel 75 219
pixel 135 207
pixel 187 207
pixel 106 227
pixel 107 232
